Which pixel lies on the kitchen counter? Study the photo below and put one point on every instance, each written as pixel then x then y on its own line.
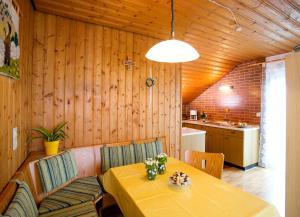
pixel 239 145
pixel 192 139
pixel 210 124
pixel 190 131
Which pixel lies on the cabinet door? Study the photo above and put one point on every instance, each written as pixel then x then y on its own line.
pixel 227 149
pixel 236 144
pixel 233 150
pixel 214 142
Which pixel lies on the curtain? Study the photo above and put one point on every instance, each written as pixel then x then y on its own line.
pixel 273 117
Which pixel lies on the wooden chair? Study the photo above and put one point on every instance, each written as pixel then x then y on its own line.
pixel 211 163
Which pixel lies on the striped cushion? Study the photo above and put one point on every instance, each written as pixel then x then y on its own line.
pixel 23 204
pixel 81 190
pixel 86 209
pixel 57 170
pixel 117 156
pixel 147 150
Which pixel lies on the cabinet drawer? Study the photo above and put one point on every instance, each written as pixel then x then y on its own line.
pixel 214 130
pixel 235 133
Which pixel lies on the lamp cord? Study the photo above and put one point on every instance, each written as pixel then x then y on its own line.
pixel 172 20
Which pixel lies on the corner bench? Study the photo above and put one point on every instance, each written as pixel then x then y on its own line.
pixel 74 191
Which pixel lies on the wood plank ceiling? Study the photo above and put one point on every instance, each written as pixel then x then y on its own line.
pixel 269 27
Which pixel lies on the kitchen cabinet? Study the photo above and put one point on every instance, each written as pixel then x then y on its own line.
pixel 239 146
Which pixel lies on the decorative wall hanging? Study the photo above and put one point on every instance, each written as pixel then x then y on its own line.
pixel 9 40
pixel 150 82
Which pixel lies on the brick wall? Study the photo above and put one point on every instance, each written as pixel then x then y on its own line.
pixel 239 104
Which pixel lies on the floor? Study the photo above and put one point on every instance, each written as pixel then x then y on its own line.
pixel 261 182
pixel 264 183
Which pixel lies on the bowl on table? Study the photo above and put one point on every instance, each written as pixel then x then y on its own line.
pixel 180 180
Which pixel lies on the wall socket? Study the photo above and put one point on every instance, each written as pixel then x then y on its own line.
pixel 15 138
pixel 258 114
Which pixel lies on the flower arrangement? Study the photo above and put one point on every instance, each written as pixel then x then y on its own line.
pixel 161 165
pixel 161 158
pixel 151 167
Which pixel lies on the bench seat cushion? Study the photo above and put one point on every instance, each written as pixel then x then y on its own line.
pixel 117 156
pixel 147 150
pixel 86 209
pixel 57 170
pixel 23 203
pixel 81 190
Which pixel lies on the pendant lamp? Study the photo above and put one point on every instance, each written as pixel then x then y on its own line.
pixel 172 50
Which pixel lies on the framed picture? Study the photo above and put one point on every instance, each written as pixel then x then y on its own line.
pixel 9 40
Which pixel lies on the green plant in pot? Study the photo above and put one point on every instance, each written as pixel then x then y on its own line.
pixel 51 137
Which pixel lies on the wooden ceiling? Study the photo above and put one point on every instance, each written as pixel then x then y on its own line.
pixel 269 27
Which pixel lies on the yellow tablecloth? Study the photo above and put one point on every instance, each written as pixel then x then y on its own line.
pixel 206 197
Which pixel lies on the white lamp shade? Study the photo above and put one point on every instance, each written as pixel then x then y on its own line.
pixel 172 51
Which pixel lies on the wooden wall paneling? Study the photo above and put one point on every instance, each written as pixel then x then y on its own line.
pixel 60 65
pixel 167 106
pixel 15 101
pixel 178 112
pixel 121 114
pixel 49 69
pixel 2 134
pixel 98 58
pixel 106 85
pixel 38 74
pixel 142 89
pixel 136 87
pixel 103 100
pixel 70 53
pixel 88 85
pixel 155 99
pixel 114 86
pixel 79 82
pixel 161 100
pixel 149 94
pixel 129 86
pixel 172 108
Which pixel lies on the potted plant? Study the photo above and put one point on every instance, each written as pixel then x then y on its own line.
pixel 161 165
pixel 151 167
pixel 51 138
pixel 203 116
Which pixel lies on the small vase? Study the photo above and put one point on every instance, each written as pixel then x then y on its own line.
pixel 151 174
pixel 161 168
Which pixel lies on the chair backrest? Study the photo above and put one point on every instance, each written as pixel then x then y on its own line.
pixel 211 163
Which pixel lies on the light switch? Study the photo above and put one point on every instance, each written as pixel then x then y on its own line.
pixel 15 138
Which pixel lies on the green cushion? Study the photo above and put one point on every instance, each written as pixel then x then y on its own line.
pixel 159 147
pixel 81 190
pixel 140 153
pixel 57 170
pixel 22 204
pixel 147 150
pixel 117 156
pixel 86 209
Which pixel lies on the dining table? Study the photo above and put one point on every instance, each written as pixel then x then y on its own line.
pixel 207 196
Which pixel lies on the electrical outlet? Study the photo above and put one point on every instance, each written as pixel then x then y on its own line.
pixel 258 114
pixel 15 138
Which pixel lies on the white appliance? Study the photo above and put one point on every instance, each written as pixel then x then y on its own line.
pixel 193 115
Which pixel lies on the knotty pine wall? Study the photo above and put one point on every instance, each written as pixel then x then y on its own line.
pixel 15 101
pixel 79 76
